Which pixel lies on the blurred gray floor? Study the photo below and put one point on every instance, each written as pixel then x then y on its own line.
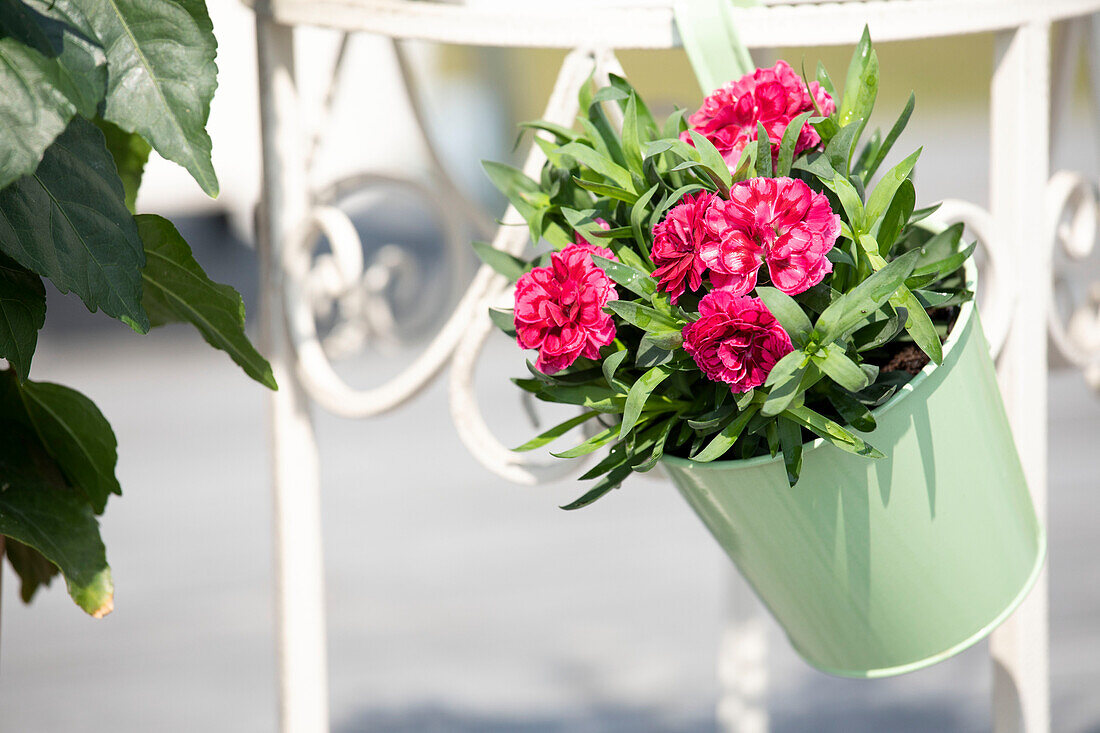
pixel 456 602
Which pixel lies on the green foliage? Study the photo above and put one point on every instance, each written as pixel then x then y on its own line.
pixel 87 90
pixel 893 283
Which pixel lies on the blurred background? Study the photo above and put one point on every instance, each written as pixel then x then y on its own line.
pixel 458 602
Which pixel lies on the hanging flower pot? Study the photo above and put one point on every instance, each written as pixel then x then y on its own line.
pixel 880 567
pixel 743 298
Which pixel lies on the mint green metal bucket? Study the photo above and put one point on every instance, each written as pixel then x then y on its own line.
pixel 879 567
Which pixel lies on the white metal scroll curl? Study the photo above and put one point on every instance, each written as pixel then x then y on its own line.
pixel 996 296
pixel 300 288
pixel 1072 220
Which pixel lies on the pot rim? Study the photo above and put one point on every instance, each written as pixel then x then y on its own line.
pixel 962 324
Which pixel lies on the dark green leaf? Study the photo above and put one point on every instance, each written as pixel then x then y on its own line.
pixel 68 221
pixel 131 153
pixel 657 347
pixel 838 152
pixel 33 569
pixel 947 265
pixel 161 73
pixel 41 90
pixel 75 433
pixel 711 158
pixel 849 199
pixel 602 189
pixel 38 509
pixel 177 289
pixel 854 412
pixel 22 313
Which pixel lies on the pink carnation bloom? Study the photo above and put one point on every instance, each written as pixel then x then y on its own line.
pixel 579 239
pixel 772 97
pixel 677 240
pixel 559 308
pixel 736 340
pixel 780 221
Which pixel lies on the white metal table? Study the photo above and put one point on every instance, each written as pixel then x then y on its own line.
pixel 1029 215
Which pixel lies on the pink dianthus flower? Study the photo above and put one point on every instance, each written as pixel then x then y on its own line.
pixel 677 240
pixel 772 97
pixel 736 340
pixel 780 221
pixel 559 308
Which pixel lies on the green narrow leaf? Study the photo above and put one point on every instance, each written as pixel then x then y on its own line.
pixel 177 289
pixel 838 152
pixel 832 432
pixel 726 437
pixel 861 84
pixel 852 308
pixel 919 325
pixel 783 382
pixel 884 192
pixel 824 80
pixel 611 365
pixel 891 138
pixel 632 146
pixel 854 412
pixel 602 189
pixel 850 201
pixel 634 280
pixel 613 480
pixel 842 370
pixel 555 432
pixel 161 73
pixel 602 165
pixel 637 396
pixel 131 153
pixel 712 159
pixel 75 433
pixel 594 443
pixel 22 313
pixel 505 320
pixel 787 146
pixel 763 152
pixel 896 217
pixel 642 316
pixel 68 221
pixel 788 312
pixel 42 87
pixel 790 442
pixel 638 214
pixel 510 266
pixel 39 510
pixel 947 265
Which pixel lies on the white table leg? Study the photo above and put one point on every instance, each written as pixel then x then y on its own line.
pixel 743 662
pixel 1019 168
pixel 297 508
